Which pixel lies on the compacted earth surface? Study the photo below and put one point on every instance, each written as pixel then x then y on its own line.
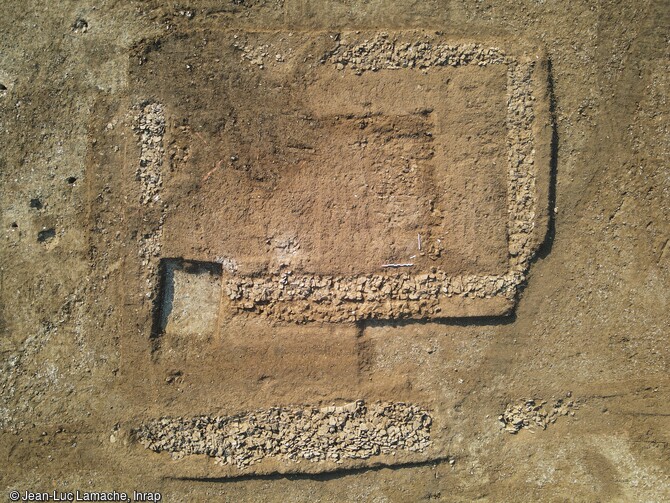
pixel 335 250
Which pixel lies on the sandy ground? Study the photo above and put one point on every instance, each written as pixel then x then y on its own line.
pixel 82 366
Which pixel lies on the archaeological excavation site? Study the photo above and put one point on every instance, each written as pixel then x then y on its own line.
pixel 339 250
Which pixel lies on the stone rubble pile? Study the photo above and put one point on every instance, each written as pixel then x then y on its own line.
pixel 521 193
pixel 297 297
pixel 150 128
pixel 351 431
pixel 384 52
pixel 260 53
pixel 530 413
pixel 255 55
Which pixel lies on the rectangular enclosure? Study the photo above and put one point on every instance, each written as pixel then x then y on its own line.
pixel 347 176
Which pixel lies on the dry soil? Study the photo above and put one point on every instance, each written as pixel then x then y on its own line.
pixel 199 205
